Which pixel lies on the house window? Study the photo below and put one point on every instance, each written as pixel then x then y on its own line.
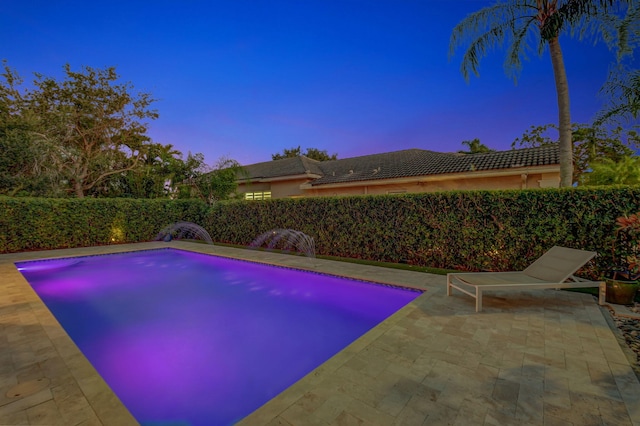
pixel 257 195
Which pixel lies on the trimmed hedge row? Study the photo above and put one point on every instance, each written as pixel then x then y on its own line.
pixel 45 223
pixel 468 230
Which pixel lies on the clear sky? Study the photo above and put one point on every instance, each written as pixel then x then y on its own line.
pixel 247 78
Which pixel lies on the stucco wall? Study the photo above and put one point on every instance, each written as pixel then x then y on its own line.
pixel 531 180
pixel 279 189
pixel 284 189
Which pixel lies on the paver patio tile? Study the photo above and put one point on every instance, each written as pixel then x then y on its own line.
pixel 538 362
pixel 530 404
pixel 613 354
pixel 572 415
pixel 348 419
pixel 11 406
pixel 278 421
pixel 45 414
pixel 557 399
pixel 441 415
pixel 576 366
pixel 614 413
pixel 513 374
pixel 556 380
pixel 408 368
pixel 550 420
pixel 453 395
pixel 17 418
pixel 393 402
pixel 29 372
pixel 626 382
pixel 505 393
pixel 360 391
pixel 471 412
pixel 303 408
pixel 600 374
pixel 365 413
pixel 410 417
pixel 85 417
pixel 497 418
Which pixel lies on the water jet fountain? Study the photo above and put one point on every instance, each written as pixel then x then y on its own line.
pixel 184 230
pixel 286 240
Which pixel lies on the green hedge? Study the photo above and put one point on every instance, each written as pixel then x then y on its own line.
pixel 45 223
pixel 468 230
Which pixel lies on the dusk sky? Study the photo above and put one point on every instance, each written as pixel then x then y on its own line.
pixel 246 79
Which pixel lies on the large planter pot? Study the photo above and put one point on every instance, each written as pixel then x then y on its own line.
pixel 621 292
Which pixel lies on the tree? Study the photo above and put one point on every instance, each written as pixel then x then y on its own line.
pixel 591 144
pixel 158 170
pixel 518 22
pixel 161 166
pixel 475 147
pixel 25 161
pixel 210 184
pixel 535 136
pixel 91 126
pixel 625 171
pixel 313 153
pixel 287 153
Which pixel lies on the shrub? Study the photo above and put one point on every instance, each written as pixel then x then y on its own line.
pixel 46 223
pixel 469 230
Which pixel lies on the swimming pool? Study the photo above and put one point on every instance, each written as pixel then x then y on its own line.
pixel 186 337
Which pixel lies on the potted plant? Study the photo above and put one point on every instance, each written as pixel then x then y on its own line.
pixel 623 285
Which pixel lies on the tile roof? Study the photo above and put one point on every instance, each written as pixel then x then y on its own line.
pixel 405 163
pixel 284 167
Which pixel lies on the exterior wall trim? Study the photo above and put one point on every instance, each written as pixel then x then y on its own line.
pixel 279 178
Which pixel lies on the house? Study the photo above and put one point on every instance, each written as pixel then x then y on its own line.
pixel 406 171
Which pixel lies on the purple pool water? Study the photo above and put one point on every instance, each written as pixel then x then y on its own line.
pixel 203 340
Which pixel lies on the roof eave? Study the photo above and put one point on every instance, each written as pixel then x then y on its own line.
pixel 514 171
pixel 279 178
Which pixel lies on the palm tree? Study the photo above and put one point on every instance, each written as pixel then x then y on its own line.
pixel 475 147
pixel 515 21
pixel 625 171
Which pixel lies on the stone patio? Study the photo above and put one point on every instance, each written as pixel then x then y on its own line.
pixel 542 357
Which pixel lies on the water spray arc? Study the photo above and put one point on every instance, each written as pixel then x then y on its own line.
pixel 184 230
pixel 286 239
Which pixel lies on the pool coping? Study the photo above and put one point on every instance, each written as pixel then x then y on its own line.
pixel 533 357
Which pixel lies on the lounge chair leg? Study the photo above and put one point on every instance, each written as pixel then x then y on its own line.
pixel 448 285
pixel 602 293
pixel 478 299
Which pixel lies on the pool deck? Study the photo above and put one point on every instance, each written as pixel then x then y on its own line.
pixel 540 357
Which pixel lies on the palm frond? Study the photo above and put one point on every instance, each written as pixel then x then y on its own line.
pixel 490 27
pixel 478 49
pixel 629 31
pixel 592 18
pixel 575 11
pixel 517 51
pixel 623 91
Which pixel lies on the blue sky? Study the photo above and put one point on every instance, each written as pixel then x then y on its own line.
pixel 246 79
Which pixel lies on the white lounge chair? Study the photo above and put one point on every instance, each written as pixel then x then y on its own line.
pixel 554 269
